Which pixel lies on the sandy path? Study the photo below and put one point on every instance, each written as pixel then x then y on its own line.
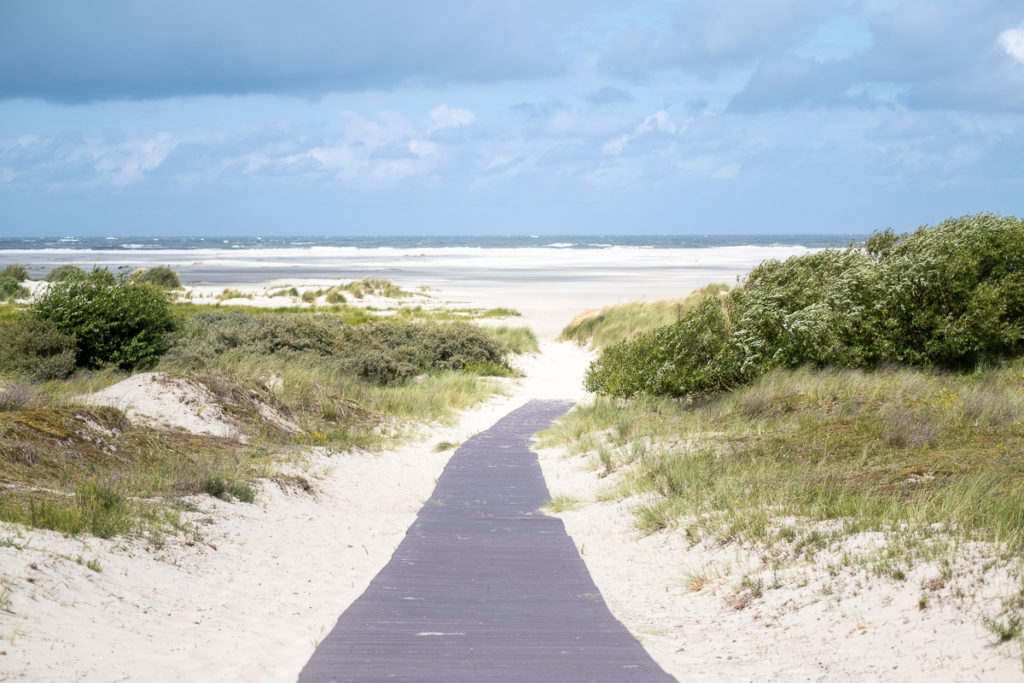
pixel 483 587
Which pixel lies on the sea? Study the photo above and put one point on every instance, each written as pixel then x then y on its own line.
pixel 594 268
pixel 110 243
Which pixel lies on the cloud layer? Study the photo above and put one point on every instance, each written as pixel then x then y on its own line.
pixel 744 115
pixel 70 51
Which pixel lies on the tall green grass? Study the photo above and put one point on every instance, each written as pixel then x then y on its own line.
pixel 894 449
pixel 518 340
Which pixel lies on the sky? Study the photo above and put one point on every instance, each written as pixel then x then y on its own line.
pixel 384 117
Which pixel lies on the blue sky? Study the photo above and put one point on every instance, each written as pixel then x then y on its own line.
pixel 477 117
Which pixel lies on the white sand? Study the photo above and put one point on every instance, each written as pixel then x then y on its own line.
pixel 157 399
pixel 851 626
pixel 268 580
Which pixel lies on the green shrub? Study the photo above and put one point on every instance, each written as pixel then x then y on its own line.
pixel 36 349
pixel 162 276
pixel 380 352
pixel 209 334
pixel 116 321
pixel 16 271
pixel 414 347
pixel 11 288
pixel 949 296
pixel 955 292
pixel 219 488
pixel 616 323
pixel 650 363
pixel 66 272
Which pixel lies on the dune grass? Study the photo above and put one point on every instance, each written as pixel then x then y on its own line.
pixel 800 461
pixel 341 382
pixel 519 340
pixel 78 469
pixel 352 315
pixel 885 449
pixel 616 323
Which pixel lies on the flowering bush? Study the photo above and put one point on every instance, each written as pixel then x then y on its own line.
pixel 948 296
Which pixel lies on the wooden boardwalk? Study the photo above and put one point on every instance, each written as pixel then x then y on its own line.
pixel 484 587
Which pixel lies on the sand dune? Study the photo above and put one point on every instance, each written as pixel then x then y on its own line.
pixel 251 598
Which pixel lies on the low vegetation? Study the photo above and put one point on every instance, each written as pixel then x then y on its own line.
pixel 876 390
pixel 336 376
pixel 887 449
pixel 163 277
pixel 67 272
pixel 15 271
pixel 369 286
pixel 518 340
pixel 115 320
pixel 618 323
pixel 949 296
pixel 11 278
pixel 379 352
pixel 36 349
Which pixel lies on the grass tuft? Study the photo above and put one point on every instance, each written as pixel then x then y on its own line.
pixel 562 504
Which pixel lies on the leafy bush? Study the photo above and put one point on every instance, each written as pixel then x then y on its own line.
pixel 115 320
pixel 415 347
pixel 379 352
pixel 16 271
pixel 210 334
pixel 651 362
pixel 162 276
pixel 949 296
pixel 955 292
pixel 11 288
pixel 36 349
pixel 65 272
pixel 616 323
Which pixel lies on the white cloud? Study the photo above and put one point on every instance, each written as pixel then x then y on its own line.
pixel 126 163
pixel 659 121
pixel 422 148
pixel 569 123
pixel 386 128
pixel 334 158
pixel 1012 41
pixel 443 116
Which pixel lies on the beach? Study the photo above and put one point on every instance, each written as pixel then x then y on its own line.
pixel 548 285
pixel 250 599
